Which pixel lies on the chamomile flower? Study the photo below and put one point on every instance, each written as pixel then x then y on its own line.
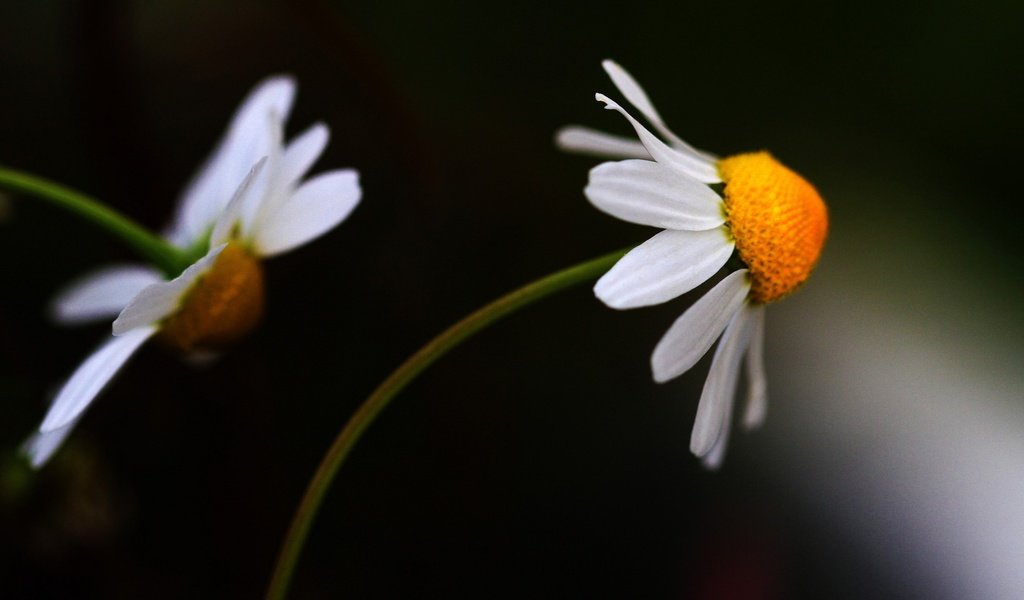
pixel 768 217
pixel 248 202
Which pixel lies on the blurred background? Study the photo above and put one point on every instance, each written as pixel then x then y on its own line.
pixel 539 459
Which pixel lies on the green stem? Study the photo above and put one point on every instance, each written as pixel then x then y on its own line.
pixel 165 256
pixel 401 377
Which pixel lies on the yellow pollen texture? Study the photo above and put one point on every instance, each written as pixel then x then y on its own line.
pixel 224 305
pixel 778 220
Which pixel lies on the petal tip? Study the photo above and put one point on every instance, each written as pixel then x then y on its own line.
pixel 563 136
pixel 120 326
pixel 754 416
pixel 286 81
pixel 321 130
pixel 609 104
pixel 608 295
pixel 49 424
pixel 660 374
pixel 711 463
pixel 699 444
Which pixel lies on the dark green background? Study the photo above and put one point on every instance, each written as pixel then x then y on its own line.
pixel 538 460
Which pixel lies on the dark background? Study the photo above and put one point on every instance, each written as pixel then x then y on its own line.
pixel 539 459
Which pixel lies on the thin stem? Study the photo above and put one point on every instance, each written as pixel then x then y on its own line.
pixel 165 256
pixel 401 377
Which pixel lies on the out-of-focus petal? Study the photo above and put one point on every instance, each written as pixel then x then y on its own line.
pixel 300 153
pixel 90 378
pixel 102 294
pixel 40 446
pixel 265 189
pixel 584 140
pixel 229 224
pixel 713 459
pixel 720 387
pixel 757 395
pixel 287 169
pixel 316 208
pixel 248 138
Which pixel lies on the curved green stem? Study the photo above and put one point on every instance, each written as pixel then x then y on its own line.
pixel 165 256
pixel 379 399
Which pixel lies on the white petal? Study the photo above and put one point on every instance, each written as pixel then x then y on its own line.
pixel 699 169
pixel 265 189
pixel 40 446
pixel 315 208
pixel 720 386
pixel 589 141
pixel 648 193
pixel 102 294
pixel 230 223
pixel 274 94
pixel 713 459
pixel 689 338
pixel 247 139
pixel 160 300
pixel 757 396
pixel 638 98
pixel 287 168
pixel 90 378
pixel 302 152
pixel 668 265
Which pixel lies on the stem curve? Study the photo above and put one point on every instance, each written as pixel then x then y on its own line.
pixel 364 416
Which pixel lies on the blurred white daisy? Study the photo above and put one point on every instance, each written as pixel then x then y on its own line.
pixel 248 202
pixel 770 220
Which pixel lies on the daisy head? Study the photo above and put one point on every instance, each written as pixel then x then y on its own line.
pixel 747 212
pixel 250 200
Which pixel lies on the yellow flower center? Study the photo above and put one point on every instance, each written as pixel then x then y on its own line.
pixel 778 220
pixel 222 306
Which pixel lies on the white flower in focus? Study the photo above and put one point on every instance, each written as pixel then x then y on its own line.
pixel 249 201
pixel 772 219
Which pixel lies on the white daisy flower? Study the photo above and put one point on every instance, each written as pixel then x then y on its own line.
pixel 768 217
pixel 248 202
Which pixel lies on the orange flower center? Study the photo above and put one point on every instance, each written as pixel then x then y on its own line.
pixel 223 305
pixel 778 220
